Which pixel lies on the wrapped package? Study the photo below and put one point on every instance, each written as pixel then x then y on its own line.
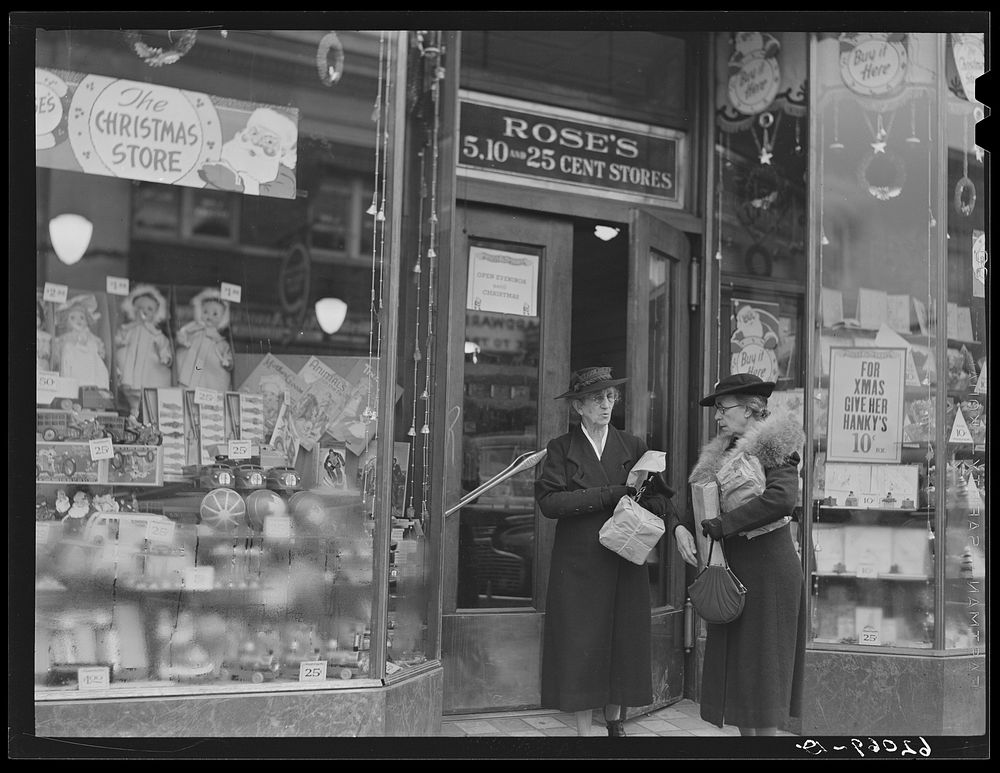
pixel 741 478
pixel 705 501
pixel 633 531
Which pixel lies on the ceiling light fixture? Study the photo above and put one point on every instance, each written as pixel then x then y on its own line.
pixel 330 313
pixel 70 236
pixel 606 232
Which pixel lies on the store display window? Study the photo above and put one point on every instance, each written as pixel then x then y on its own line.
pixel 899 375
pixel 210 513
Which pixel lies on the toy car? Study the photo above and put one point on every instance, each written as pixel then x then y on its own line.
pixel 219 474
pixel 291 662
pixel 97 397
pixel 131 432
pixel 85 429
pixel 107 527
pixel 251 665
pixel 249 476
pixel 283 479
pixel 342 664
pixel 66 673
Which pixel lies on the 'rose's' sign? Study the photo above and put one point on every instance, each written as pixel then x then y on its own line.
pixel 558 149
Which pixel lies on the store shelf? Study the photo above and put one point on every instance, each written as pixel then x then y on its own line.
pixel 893 577
pixel 891 510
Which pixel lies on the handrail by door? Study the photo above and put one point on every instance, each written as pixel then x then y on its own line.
pixel 524 462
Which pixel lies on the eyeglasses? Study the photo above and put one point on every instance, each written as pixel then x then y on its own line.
pixel 723 408
pixel 599 397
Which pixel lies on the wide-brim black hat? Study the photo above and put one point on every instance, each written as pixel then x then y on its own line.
pixel 739 384
pixel 587 380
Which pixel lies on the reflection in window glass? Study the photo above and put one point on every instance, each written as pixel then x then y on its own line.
pixel 964 546
pixel 658 386
pixel 761 112
pixel 228 536
pixel 873 541
pixel 497 530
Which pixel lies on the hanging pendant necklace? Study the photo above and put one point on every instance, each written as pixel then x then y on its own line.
pixel 881 173
pixel 965 189
pixel 765 143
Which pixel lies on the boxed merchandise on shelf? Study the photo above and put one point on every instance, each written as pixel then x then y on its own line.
pixel 868 550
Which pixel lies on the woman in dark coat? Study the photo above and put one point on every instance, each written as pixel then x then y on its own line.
pixel 596 650
pixel 753 669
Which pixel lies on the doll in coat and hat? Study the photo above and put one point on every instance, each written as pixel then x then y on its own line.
pixel 204 356
pixel 143 353
pixel 78 352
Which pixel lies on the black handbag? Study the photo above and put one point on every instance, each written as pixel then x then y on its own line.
pixel 717 593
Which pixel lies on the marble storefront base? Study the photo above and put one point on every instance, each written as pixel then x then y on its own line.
pixel 411 707
pixel 851 693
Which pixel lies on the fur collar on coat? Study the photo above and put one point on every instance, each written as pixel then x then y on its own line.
pixel 771 441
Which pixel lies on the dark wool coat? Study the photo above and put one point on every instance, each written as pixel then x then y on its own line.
pixel 596 646
pixel 753 667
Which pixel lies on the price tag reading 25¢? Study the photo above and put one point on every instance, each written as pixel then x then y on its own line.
pixel 239 449
pixel 101 448
pixel 312 671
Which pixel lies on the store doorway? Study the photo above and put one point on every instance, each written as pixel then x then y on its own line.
pixel 545 295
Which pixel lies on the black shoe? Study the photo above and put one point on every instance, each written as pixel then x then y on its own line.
pixel 616 728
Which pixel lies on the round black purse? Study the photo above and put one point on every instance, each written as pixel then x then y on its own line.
pixel 717 593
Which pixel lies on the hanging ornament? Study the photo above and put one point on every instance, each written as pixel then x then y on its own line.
pixel 373 207
pixel 965 189
pixel 412 431
pixel 913 139
pixel 797 149
pixel 157 57
pixel 881 173
pixel 330 72
pixel 765 143
pixel 425 430
pixel 836 144
pixel 424 395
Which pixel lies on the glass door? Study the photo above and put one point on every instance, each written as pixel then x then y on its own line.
pixel 657 403
pixel 517 283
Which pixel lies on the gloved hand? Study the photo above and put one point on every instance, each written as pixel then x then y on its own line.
pixel 712 527
pixel 631 491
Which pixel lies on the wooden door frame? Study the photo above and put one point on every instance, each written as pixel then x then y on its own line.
pixel 649 232
pixel 556 277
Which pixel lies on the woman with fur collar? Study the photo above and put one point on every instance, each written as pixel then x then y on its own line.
pixel 204 356
pixel 753 667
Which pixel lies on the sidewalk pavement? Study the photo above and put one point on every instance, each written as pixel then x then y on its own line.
pixel 679 719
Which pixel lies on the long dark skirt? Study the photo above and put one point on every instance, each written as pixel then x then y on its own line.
pixel 753 669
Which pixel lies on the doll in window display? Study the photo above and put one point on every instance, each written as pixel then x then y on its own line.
pixel 79 353
pixel 43 339
pixel 143 353
pixel 204 356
